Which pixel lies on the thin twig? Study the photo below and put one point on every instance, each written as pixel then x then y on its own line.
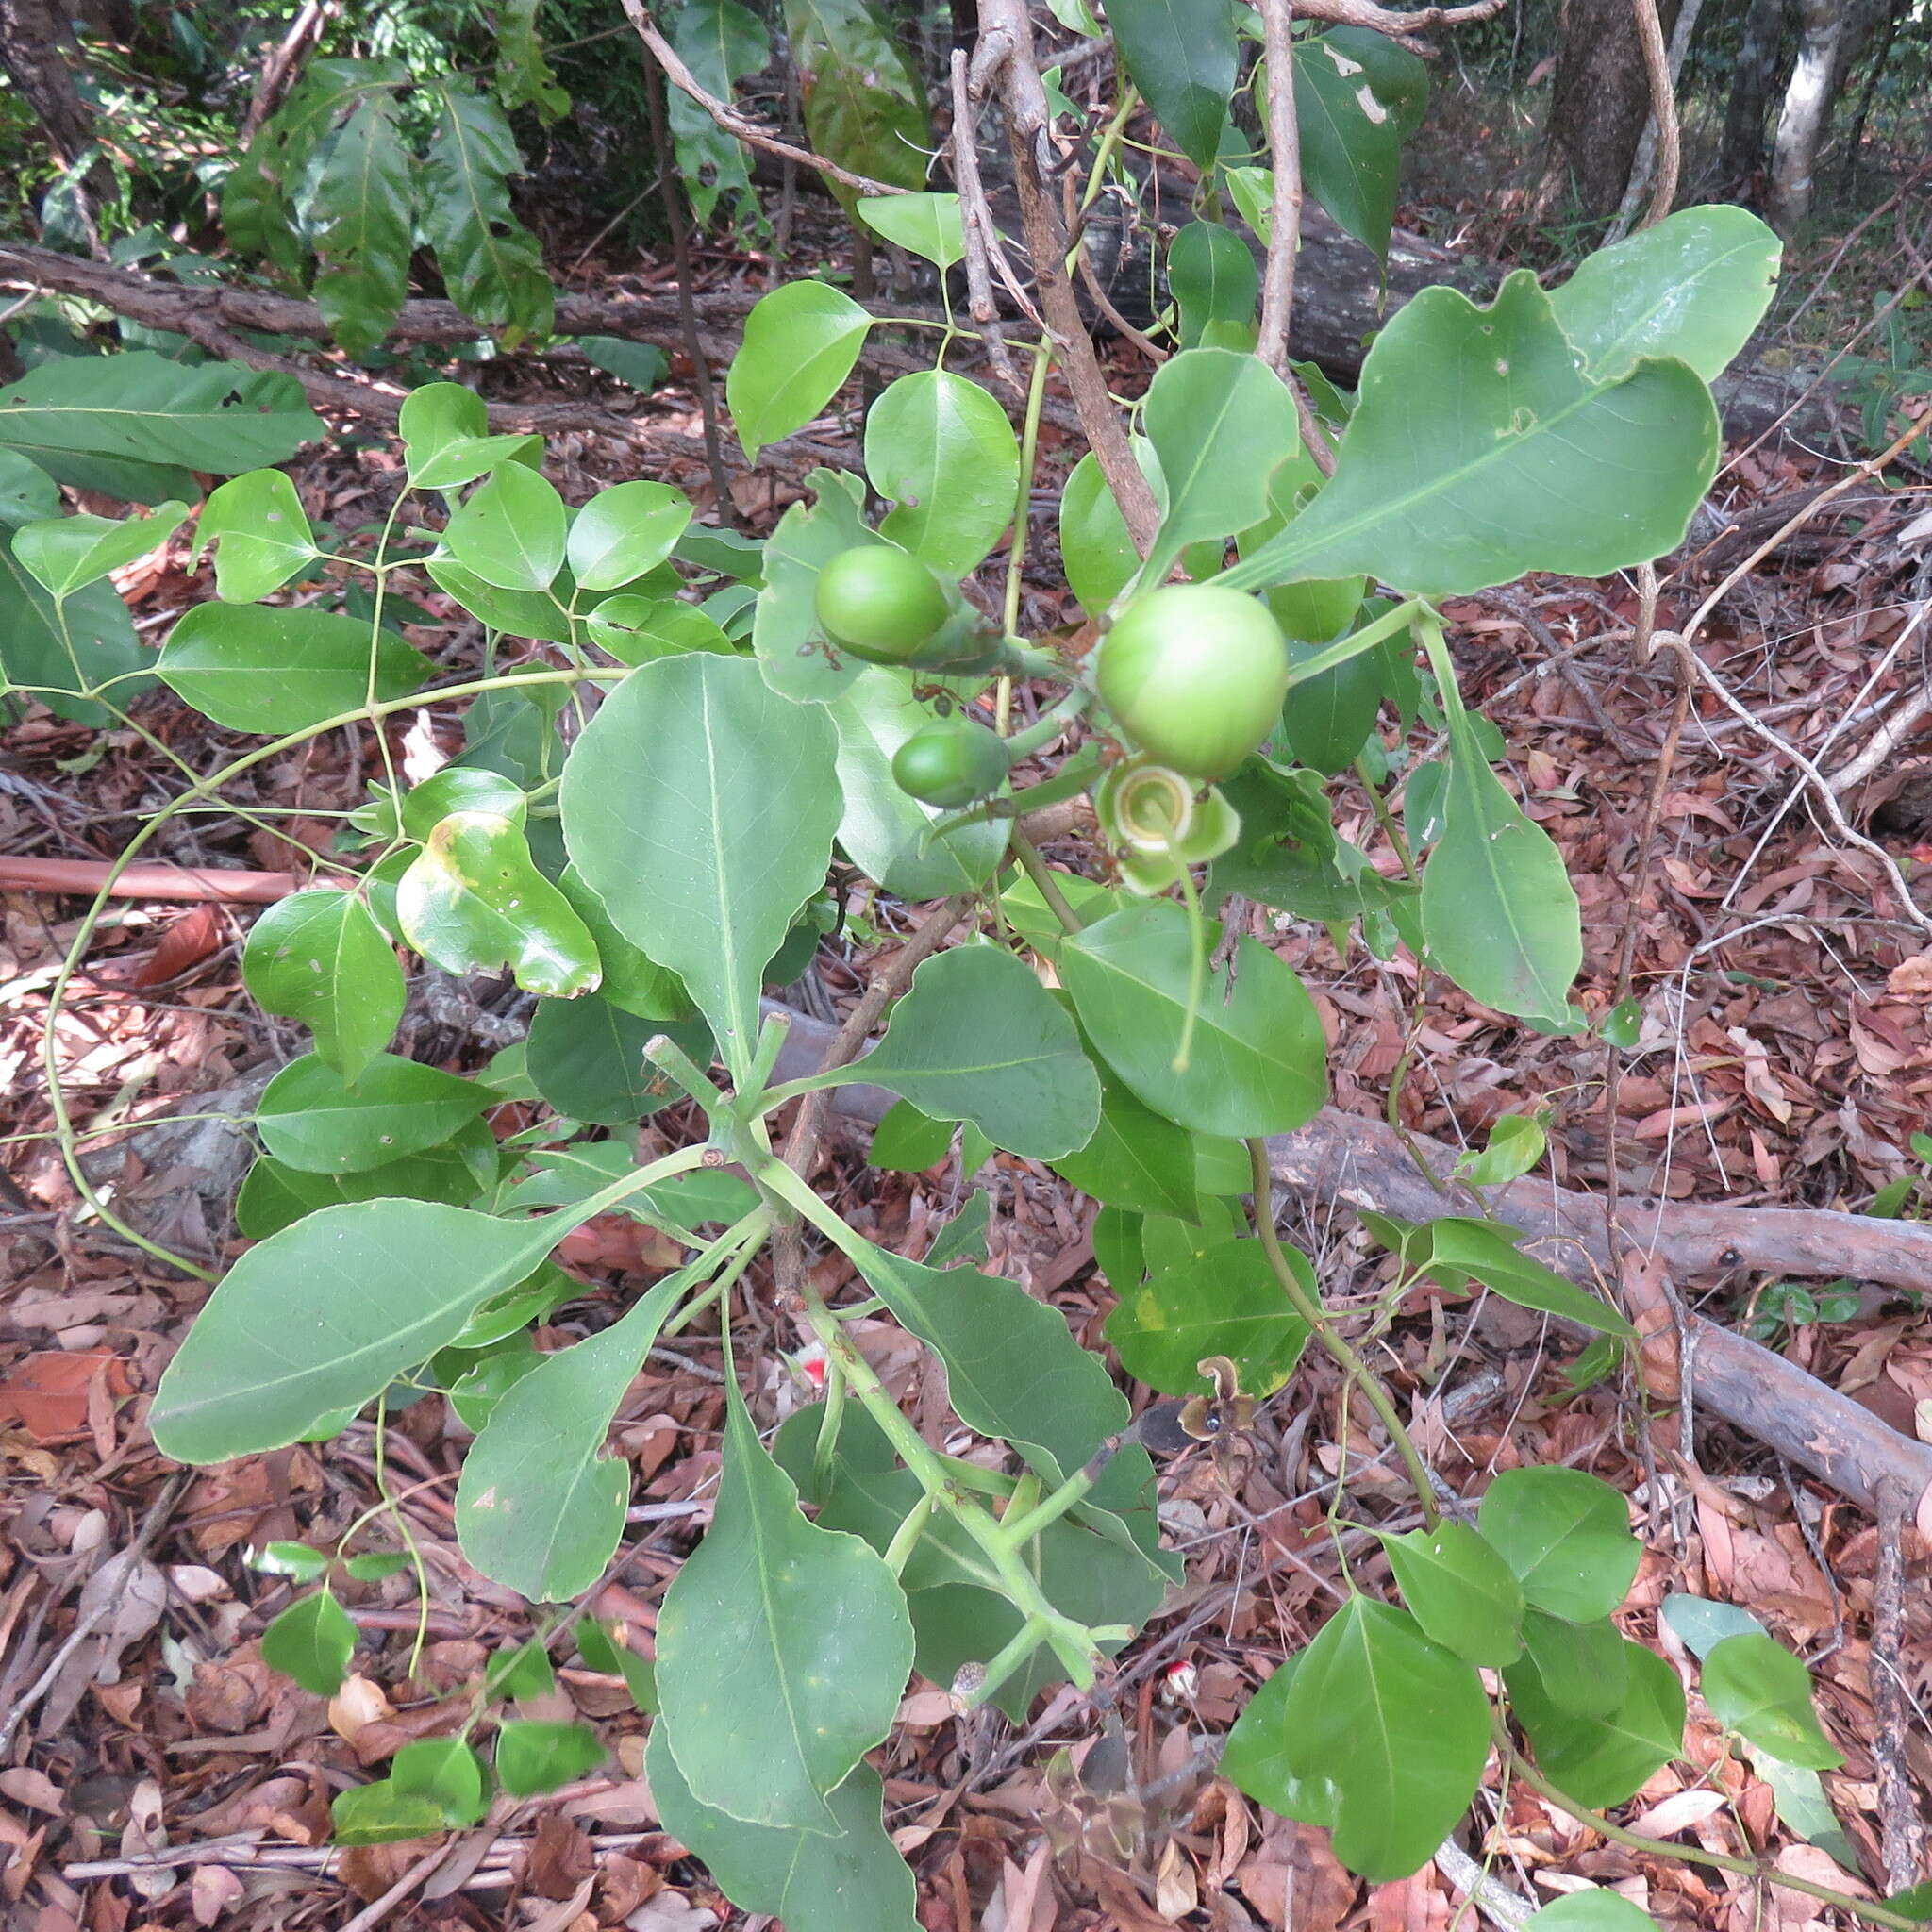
pixel 1903 1830
pixel 378 1910
pixel 1285 150
pixel 1661 135
pixel 977 227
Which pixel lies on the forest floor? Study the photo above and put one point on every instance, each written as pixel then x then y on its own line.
pixel 156 1772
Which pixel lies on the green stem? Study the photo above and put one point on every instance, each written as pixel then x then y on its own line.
pixel 1390 825
pixel 1350 646
pixel 829 1425
pixel 1050 724
pixel 1023 503
pixel 664 1053
pixel 1321 1326
pixel 1028 853
pixel 1197 973
pixel 1020 1529
pixel 899 1551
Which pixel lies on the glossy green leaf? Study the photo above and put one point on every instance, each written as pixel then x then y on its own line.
pixel 261 535
pixel 885 832
pixel 362 203
pixel 516 613
pixel 378 1814
pixel 1258 1061
pixel 1349 100
pixel 1593 1909
pixel 927 225
pixel 1394 1725
pixel 782 1649
pixel 323 1316
pixel 1701 1624
pixel 63 649
pixel 1257 1756
pixel 1226 1302
pixel 637 365
pixel 586 1058
pixel 1461 1591
pixel 1499 912
pixel 624 531
pixel 1222 423
pixel 1601 1762
pixel 474 902
pixel 447 439
pixel 1756 1687
pixel 26 491
pixel 814 1881
pixel 539 1507
pixel 1694 287
pixel 270 670
pixel 1566 1534
pixel 978 1037
pixel 532 1758
pixel 512 530
pixel 454 789
pixel 290 1559
pixel 1479 451
pixel 491 262
pixel 447 1773
pixel 377 1565
pixel 1212 277
pixel 1515 1143
pixel 1582 1668
pixel 311 1118
pixel 320 958
pixel 864 100
pixel 1096 552
pixel 1452 1248
pixel 963 1238
pixel 722 43
pixel 311 1641
pixel 941 450
pixel 630 981
pixel 1182 56
pixel 522 1670
pixel 1136 1158
pixel 799 343
pixel 636 629
pixel 909 1141
pixel 699 806
pixel 66 554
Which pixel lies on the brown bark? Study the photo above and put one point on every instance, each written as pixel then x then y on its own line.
pixel 35 47
pixel 1600 100
pixel 1742 157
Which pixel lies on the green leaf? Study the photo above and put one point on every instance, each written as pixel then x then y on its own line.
pixel 1255 1757
pixel 213 416
pixel 1258 1059
pixel 784 627
pixel 511 530
pixel 1479 451
pixel 1582 1668
pixel 885 832
pixel 927 225
pixel 1394 1727
pixel 979 1038
pixel 1516 1144
pixel 813 1881
pixel 26 491
pixel 1222 423
pixel 1700 1623
pixel 1182 56
pixel 1212 277
pixel 1499 913
pixel 699 806
pixel 447 439
pixel 516 613
pixel 320 958
pixel 320 1318
pixel 940 449
pixel 1348 96
pixel 634 630
pixel 447 1773
pixel 377 1565
pixel 1694 287
pixel 269 671
pixel 362 208
pixel 532 1758
pixel 311 1641
pixel 261 535
pixel 864 102
pixel 523 1670
pixel 962 1237
pixel 1593 1909
pixel 1462 1593
pixel 290 1559
pixel 66 554
pixel 722 43
pixel 68 647
pixel 630 981
pixel 799 343
pixel 1756 1687
pixel 1226 1302
pixel 587 1060
pixel 624 531
pixel 1566 1534
pixel 782 1649
pixel 472 901
pixel 1096 552
pixel 637 365
pixel 311 1118
pixel 539 1507
pixel 907 1141
pixel 378 1814
pixel 1601 1762
pixel 491 262
pixel 1451 1248
pixel 1136 1159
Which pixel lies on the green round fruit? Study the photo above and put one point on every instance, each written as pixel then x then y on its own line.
pixel 1196 675
pixel 950 764
pixel 879 604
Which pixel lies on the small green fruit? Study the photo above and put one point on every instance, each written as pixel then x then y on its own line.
pixel 1196 675
pixel 950 764
pixel 879 604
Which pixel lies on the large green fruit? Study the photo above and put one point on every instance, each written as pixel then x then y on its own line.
pixel 879 604
pixel 950 764
pixel 1194 676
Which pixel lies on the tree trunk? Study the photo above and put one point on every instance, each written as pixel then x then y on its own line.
pixel 1599 101
pixel 1758 60
pixel 1807 111
pixel 1894 18
pixel 36 43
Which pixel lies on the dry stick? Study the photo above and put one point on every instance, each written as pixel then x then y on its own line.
pixel 1903 1830
pixel 1104 302
pixel 151 1527
pixel 741 126
pixel 1661 136
pixel 1005 52
pixel 1403 29
pixel 687 311
pixel 1285 150
pixel 296 44
pixel 378 1910
pixel 1898 724
pixel 975 222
